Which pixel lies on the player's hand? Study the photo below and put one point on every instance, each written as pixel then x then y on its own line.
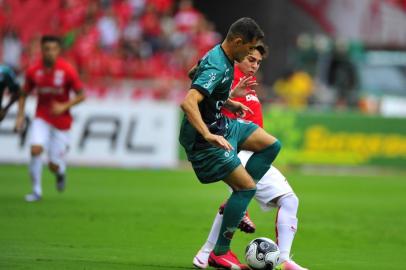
pixel 58 108
pixel 243 87
pixel 19 126
pixel 238 108
pixel 242 111
pixel 2 114
pixel 218 141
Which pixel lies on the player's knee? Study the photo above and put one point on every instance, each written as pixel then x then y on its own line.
pixel 36 150
pixel 247 185
pixel 53 167
pixel 289 201
pixel 272 151
pixel 276 146
pixel 295 201
pixel 248 193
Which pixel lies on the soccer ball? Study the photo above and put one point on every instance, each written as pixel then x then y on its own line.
pixel 262 254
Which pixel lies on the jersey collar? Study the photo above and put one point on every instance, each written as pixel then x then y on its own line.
pixel 229 60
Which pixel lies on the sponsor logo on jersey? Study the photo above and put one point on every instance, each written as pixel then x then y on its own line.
pixel 50 90
pixel 59 77
pixel 39 73
pixel 226 78
pixel 212 77
pixel 251 97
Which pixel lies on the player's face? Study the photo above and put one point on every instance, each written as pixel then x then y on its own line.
pixel 250 65
pixel 50 51
pixel 243 49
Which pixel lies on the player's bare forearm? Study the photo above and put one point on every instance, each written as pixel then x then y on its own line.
pixel 190 107
pixel 231 105
pixel 21 104
pixel 237 107
pixel 80 97
pixel 21 111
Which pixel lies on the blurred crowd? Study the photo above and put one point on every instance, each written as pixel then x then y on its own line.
pixel 137 39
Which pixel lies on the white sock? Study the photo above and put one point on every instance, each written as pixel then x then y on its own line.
pixel 61 167
pixel 214 233
pixel 36 174
pixel 286 224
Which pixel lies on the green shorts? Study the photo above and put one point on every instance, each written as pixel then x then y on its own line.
pixel 213 164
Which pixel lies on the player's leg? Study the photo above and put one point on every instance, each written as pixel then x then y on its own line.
pixel 265 148
pixel 39 136
pixel 58 147
pixel 274 191
pixel 243 191
pixel 201 258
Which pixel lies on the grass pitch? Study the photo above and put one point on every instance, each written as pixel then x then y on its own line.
pixel 138 219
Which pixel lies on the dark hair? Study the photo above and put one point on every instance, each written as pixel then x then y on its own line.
pixel 247 29
pixel 49 38
pixel 262 49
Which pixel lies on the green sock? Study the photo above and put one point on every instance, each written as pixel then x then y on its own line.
pixel 260 162
pixel 234 210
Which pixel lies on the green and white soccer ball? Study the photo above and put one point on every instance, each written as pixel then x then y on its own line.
pixel 262 254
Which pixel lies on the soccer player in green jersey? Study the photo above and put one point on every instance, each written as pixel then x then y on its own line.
pixel 211 140
pixel 8 81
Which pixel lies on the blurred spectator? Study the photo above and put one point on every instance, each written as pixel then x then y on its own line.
pixel 294 88
pixel 72 14
pixel 137 6
pixel 12 49
pixel 187 17
pixel 341 75
pixel 150 22
pixel 109 31
pixel 116 39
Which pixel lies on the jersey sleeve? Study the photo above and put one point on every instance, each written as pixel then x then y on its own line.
pixel 207 78
pixel 75 82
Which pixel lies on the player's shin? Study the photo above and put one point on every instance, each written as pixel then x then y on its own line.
pixel 233 212
pixel 260 162
pixel 286 224
pixel 214 233
pixel 36 174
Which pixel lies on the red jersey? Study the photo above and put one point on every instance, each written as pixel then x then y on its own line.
pixel 250 100
pixel 52 85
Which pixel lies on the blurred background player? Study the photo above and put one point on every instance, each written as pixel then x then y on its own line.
pixel 8 81
pixel 273 190
pixel 211 140
pixel 53 79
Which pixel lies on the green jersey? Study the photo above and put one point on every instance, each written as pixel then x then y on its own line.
pixel 213 78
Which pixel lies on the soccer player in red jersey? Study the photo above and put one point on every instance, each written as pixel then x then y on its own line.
pixel 53 79
pixel 273 190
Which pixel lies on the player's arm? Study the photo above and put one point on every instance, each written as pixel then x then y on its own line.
pixel 19 125
pixel 14 89
pixel 237 107
pixel 61 107
pixel 13 98
pixel 190 107
pixel 29 85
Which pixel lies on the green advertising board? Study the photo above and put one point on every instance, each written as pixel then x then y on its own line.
pixel 337 138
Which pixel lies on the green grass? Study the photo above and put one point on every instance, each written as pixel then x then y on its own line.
pixel 130 219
